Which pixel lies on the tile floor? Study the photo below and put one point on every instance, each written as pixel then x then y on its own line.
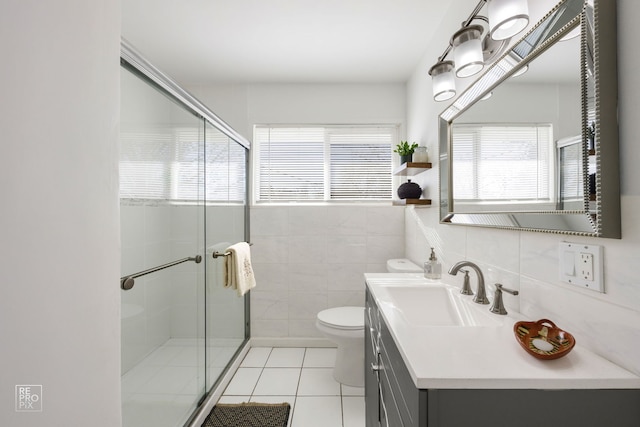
pixel 303 377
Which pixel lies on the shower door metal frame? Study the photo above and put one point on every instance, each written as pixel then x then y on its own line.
pixel 136 61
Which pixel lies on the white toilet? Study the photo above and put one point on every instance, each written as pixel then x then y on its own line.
pixel 344 326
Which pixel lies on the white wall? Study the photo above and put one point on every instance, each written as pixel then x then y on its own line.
pixel 558 104
pixel 606 323
pixel 308 258
pixel 243 106
pixel 60 304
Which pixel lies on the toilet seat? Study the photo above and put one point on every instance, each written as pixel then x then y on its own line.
pixel 345 318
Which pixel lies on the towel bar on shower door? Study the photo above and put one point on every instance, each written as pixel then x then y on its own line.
pixel 217 254
pixel 127 282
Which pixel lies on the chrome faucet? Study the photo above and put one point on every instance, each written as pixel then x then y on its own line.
pixel 481 294
pixel 498 305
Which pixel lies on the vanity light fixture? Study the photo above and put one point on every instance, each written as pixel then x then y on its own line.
pixel 444 83
pixel 467 51
pixel 475 46
pixel 507 18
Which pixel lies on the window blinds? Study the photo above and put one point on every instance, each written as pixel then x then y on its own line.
pixel 175 164
pixel 492 161
pixel 147 163
pixel 322 163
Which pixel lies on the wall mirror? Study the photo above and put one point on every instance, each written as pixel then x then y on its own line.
pixel 533 143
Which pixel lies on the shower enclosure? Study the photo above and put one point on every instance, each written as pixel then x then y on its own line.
pixel 183 195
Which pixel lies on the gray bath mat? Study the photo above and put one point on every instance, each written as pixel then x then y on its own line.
pixel 248 415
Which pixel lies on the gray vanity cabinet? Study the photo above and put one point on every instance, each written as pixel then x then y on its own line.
pixel 392 399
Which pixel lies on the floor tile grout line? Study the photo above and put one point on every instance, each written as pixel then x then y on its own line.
pixel 253 390
pixel 295 399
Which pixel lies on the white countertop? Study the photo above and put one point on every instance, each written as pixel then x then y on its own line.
pixel 446 357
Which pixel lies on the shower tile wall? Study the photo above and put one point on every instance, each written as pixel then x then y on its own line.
pixel 309 258
pixel 164 304
pixel 146 312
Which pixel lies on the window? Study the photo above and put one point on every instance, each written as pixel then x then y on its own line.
pixel 323 163
pixel 175 164
pixel 570 172
pixel 487 158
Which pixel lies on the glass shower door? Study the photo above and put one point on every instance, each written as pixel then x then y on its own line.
pixel 226 213
pixel 183 195
pixel 162 221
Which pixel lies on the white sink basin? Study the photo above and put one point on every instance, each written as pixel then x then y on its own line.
pixel 422 305
pixel 435 305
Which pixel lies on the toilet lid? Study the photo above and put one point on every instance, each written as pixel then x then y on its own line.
pixel 343 317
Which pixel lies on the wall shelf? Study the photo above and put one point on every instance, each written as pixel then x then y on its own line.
pixel 411 168
pixel 417 202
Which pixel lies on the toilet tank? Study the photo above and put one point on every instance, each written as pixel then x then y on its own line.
pixel 402 265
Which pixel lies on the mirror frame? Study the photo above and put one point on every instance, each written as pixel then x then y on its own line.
pixel 606 220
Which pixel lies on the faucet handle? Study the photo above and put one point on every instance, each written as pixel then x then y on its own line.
pixel 466 286
pixel 498 304
pixel 507 290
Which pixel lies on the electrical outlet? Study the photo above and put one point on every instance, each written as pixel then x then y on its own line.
pixel 586 266
pixel 582 265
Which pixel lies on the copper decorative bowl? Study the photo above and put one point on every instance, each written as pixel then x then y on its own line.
pixel 543 339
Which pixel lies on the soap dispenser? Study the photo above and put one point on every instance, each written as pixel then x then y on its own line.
pixel 433 268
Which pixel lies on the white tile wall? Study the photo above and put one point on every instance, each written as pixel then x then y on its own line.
pixel 309 258
pixel 168 301
pixel 145 241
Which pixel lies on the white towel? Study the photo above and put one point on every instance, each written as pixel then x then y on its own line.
pixel 238 273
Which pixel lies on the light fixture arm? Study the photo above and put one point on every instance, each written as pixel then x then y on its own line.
pixel 472 16
pixel 475 12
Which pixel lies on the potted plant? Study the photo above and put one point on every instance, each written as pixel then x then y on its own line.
pixel 405 150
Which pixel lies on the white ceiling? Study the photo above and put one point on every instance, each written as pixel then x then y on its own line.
pixel 292 41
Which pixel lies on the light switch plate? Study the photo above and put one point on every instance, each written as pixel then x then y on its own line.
pixel 582 265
